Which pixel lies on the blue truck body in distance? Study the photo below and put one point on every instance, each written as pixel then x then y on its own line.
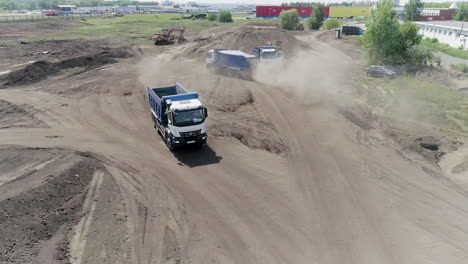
pixel 235 62
pixel 230 59
pixel 178 115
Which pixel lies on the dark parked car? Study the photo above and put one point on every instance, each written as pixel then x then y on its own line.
pixel 382 71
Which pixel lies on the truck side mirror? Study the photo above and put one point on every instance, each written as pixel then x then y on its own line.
pixel 169 118
pixel 205 110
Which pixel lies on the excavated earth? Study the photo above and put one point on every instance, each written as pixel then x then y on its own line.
pixel 296 170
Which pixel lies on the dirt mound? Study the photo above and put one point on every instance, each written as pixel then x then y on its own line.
pixel 239 117
pixel 436 75
pixel 251 131
pixel 37 214
pixel 249 37
pixel 35 72
pixel 430 147
pixel 40 70
pixel 12 115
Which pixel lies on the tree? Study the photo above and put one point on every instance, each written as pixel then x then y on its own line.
pixel 212 17
pixel 224 16
pixel 462 11
pixel 413 9
pixel 332 24
pixel 315 21
pixel 388 42
pixel 409 35
pixel 44 4
pixel 289 19
pixel 382 37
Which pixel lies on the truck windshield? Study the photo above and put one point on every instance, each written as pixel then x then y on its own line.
pixel 188 118
pixel 269 55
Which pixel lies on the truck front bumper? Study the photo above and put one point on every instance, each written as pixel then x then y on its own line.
pixel 195 140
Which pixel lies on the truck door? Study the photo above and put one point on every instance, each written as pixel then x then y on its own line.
pixel 210 57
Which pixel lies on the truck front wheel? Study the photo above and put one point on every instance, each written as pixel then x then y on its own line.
pixel 169 143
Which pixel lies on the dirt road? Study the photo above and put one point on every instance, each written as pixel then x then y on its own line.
pixel 286 177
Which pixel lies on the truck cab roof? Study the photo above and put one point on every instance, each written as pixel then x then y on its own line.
pixel 186 105
pixel 268 50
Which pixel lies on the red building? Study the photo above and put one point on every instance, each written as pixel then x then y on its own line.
pixel 436 14
pixel 275 11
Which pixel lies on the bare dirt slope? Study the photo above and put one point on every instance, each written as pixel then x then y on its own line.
pixel 286 177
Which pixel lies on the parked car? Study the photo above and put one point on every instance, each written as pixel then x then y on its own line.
pixel 382 71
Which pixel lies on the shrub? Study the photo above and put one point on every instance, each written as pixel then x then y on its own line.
pixel 313 23
pixel 461 67
pixel 289 19
pixel 332 24
pixel 418 54
pixel 434 40
pixel 224 16
pixel 212 17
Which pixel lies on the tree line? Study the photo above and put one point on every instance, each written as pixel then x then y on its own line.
pixel 48 4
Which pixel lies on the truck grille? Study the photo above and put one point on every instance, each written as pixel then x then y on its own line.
pixel 191 133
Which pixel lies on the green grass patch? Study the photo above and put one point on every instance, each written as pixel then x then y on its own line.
pixel 134 29
pixel 411 98
pixel 455 52
pixel 460 67
pixel 74 71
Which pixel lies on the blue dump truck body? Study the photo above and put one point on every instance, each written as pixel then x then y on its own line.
pixel 178 115
pixel 229 61
pixel 238 63
pixel 158 98
pixel 234 59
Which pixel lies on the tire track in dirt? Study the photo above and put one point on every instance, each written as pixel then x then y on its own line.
pixel 329 199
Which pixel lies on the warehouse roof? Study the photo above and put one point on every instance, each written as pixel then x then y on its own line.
pixel 445 24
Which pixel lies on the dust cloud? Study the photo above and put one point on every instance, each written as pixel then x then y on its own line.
pixel 313 76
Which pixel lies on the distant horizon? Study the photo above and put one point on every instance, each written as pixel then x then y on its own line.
pixel 276 2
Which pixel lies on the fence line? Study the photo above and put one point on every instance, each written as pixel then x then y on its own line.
pixel 39 17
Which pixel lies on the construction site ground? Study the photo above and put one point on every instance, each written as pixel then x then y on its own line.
pixel 299 167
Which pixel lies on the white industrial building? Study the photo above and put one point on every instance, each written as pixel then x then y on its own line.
pixel 453 33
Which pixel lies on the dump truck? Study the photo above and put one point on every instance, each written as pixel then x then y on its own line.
pixel 178 116
pixel 267 53
pixel 230 62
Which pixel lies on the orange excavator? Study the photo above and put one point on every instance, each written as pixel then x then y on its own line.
pixel 167 36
